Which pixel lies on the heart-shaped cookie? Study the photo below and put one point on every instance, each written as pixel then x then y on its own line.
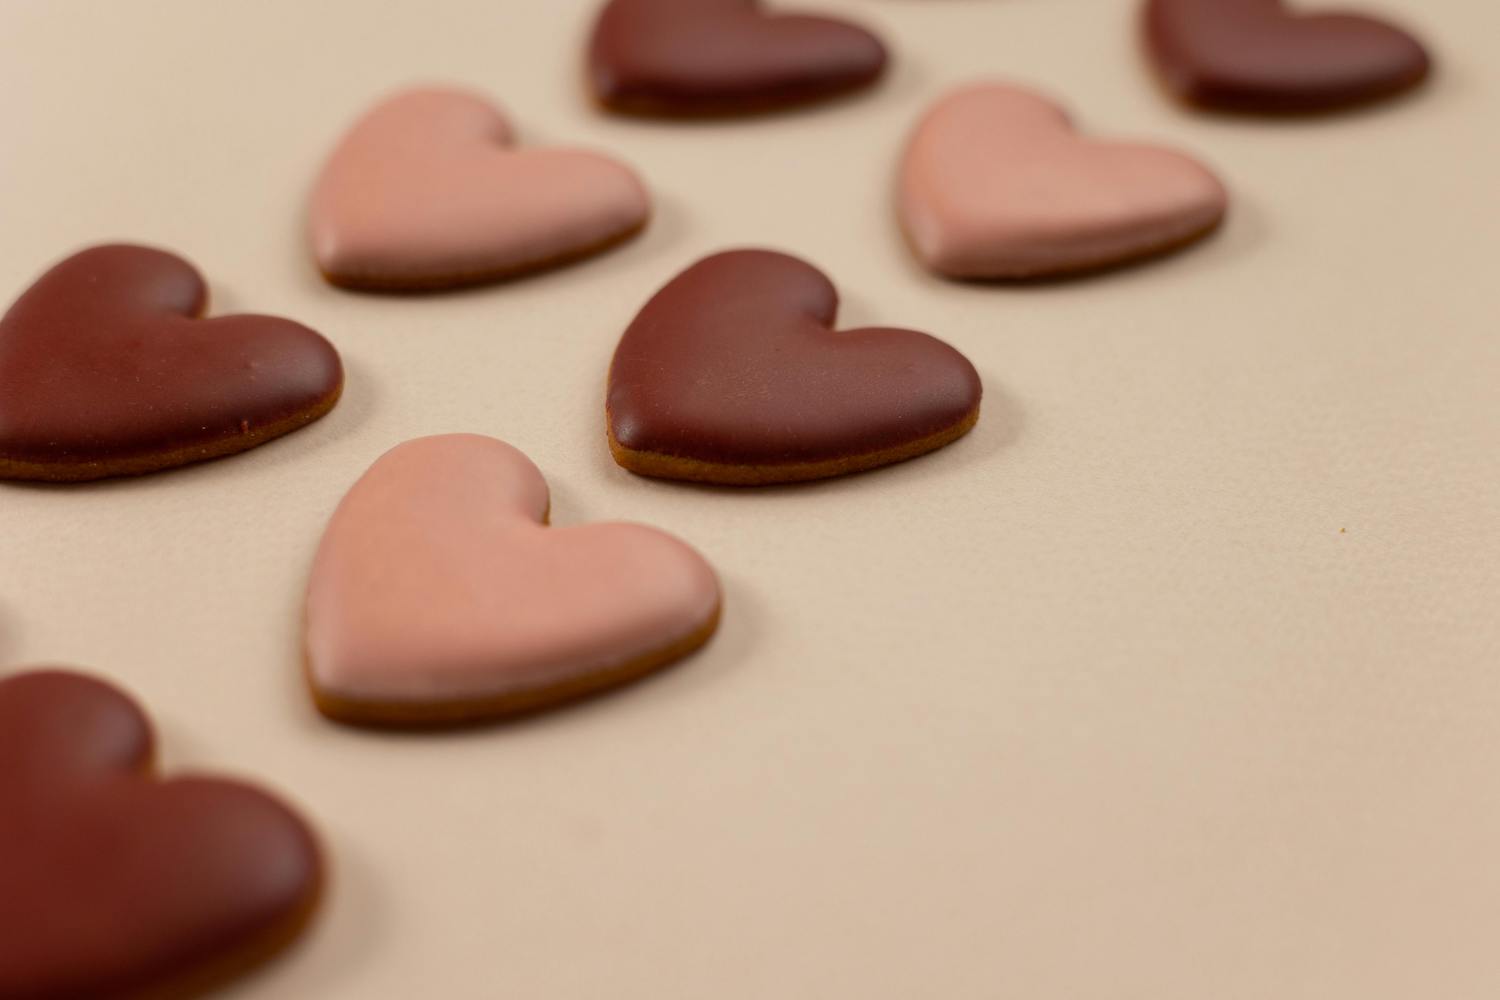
pixel 106 369
pixel 734 374
pixel 1261 56
pixel 689 58
pixel 439 595
pixel 996 183
pixel 115 884
pixel 428 191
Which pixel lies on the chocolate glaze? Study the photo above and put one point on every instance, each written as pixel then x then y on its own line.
pixel 114 884
pixel 105 369
pixel 708 57
pixel 1259 56
pixel 735 363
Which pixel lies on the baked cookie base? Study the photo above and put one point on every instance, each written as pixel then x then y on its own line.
pixel 659 466
pixel 1208 98
pixel 63 471
pixel 1084 267
pixel 483 709
pixel 665 109
pixel 416 284
pixel 239 964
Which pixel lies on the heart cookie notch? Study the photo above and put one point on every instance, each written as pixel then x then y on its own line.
pixel 116 884
pixel 997 184
pixel 1261 56
pixel 700 58
pixel 107 369
pixel 733 374
pixel 428 191
pixel 439 596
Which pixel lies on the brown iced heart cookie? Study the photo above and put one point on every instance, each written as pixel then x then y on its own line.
pixel 106 369
pixel 733 373
pixel 115 884
pixel 684 58
pixel 1261 56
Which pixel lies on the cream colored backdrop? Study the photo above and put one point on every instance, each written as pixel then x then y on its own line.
pixel 1178 680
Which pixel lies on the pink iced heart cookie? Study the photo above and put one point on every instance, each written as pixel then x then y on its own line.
pixel 439 595
pixel 996 183
pixel 427 191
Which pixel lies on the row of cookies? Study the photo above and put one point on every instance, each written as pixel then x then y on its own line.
pixel 732 374
pixel 682 58
pixel 429 191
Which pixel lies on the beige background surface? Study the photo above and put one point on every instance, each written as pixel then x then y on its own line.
pixel 1178 679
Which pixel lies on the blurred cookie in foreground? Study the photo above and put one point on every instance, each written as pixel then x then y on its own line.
pixel 118 884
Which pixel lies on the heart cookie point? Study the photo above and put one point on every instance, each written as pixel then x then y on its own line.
pixel 996 184
pixel 1260 56
pixel 703 58
pixel 121 885
pixel 427 191
pixel 733 374
pixel 106 369
pixel 438 596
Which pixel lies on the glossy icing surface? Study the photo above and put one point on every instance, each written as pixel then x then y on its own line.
pixel 116 884
pixel 429 190
pixel 438 581
pixel 736 363
pixel 703 57
pixel 105 368
pixel 1266 56
pixel 996 183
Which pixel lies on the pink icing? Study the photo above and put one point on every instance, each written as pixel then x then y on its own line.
pixel 997 184
pixel 437 579
pixel 426 186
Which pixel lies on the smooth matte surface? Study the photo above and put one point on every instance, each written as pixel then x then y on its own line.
pixel 998 183
pixel 428 190
pixel 1176 679
pixel 438 585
